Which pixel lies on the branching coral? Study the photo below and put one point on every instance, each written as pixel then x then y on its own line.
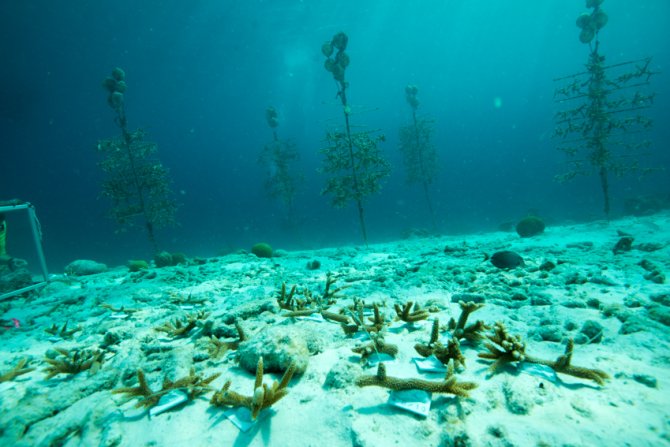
pixel 358 322
pixel 63 331
pixel 264 396
pixel 376 346
pixel 312 303
pixel 452 351
pixel 217 347
pixel 410 314
pixel 19 369
pixel 73 362
pixel 122 309
pixel 450 384
pixel 180 327
pixel 288 300
pixel 193 385
pixel 472 333
pixel 505 348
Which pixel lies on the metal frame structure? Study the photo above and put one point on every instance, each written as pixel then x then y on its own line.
pixel 12 206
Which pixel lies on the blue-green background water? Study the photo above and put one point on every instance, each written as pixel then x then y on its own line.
pixel 202 73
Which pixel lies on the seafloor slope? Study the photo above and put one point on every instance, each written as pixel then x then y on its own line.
pixel 573 286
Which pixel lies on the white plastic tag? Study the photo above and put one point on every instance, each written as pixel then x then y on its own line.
pixel 241 418
pixel 314 317
pixel 414 401
pixel 429 365
pixel 375 359
pixel 541 371
pixel 168 401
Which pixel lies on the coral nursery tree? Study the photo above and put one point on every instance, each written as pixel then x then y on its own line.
pixel 137 184
pixel 419 154
pixel 352 159
pixel 278 157
pixel 601 122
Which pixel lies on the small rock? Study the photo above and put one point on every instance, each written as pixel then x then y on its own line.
pixel 519 297
pixel 632 302
pixel 603 279
pixel 518 399
pixel 279 346
pixel 646 380
pixel 661 298
pixel 632 325
pixel 592 330
pixel 467 297
pixel 574 303
pixel 83 267
pixel 655 276
pixel 313 265
pixel 648 247
pixel 575 278
pixel 580 339
pixel 570 325
pixel 547 266
pixel 550 333
pixel 593 303
pixel 660 314
pixel 623 244
pixel 342 375
pixel 15 280
pixel 540 300
pixel 586 245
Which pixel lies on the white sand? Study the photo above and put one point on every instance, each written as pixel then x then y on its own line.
pixel 508 408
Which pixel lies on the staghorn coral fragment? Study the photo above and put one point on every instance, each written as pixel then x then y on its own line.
pixel 505 348
pixel 562 365
pixel 359 321
pixel 513 349
pixel 311 302
pixel 473 333
pixel 300 313
pixel 217 347
pixel 180 327
pixel 122 309
pixel 193 385
pixel 264 396
pixel 63 332
pixel 73 362
pixel 408 315
pixel 16 371
pixel 452 351
pixel 330 296
pixel 338 318
pixel 141 390
pixel 450 385
pixel 287 300
pixel 376 346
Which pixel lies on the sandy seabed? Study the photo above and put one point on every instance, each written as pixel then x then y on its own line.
pixel 572 286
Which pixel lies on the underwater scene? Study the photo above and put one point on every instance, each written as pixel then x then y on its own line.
pixel 343 223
